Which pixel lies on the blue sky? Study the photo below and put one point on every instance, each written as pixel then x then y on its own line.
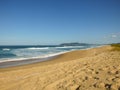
pixel 35 22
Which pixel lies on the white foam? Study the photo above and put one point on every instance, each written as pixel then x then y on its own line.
pixel 37 48
pixel 5 49
pixel 15 59
pixel 38 57
pixel 71 47
pixel 51 55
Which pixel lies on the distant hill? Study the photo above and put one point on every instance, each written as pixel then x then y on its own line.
pixel 74 44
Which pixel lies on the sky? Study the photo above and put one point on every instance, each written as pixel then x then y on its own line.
pixel 36 22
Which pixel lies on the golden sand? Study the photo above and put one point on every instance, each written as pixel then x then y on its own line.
pixel 93 69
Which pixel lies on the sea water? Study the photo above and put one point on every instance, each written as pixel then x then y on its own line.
pixel 14 53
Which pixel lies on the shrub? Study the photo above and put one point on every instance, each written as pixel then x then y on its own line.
pixel 116 47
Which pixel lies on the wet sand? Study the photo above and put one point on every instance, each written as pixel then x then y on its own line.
pixel 93 69
pixel 13 63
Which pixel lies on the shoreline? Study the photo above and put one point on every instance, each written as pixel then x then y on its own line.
pixel 26 61
pixel 16 63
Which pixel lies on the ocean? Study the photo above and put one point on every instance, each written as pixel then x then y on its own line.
pixel 16 53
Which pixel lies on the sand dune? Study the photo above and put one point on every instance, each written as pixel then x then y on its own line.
pixel 93 69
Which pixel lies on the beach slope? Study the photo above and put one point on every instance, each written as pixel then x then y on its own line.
pixel 92 69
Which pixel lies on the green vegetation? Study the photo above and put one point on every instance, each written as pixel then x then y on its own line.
pixel 116 47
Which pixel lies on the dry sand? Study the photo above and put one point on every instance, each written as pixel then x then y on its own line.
pixel 93 69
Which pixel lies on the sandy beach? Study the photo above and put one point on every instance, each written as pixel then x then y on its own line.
pixel 92 69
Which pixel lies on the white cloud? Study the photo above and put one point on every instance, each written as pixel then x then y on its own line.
pixel 112 38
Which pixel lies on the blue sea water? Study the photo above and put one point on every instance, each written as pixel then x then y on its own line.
pixel 8 53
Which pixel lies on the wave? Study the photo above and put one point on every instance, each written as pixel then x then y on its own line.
pixel 29 58
pixel 5 55
pixel 13 59
pixel 33 48
pixel 71 47
pixel 53 54
pixel 5 49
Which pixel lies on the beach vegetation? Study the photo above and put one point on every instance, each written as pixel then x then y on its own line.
pixel 116 47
